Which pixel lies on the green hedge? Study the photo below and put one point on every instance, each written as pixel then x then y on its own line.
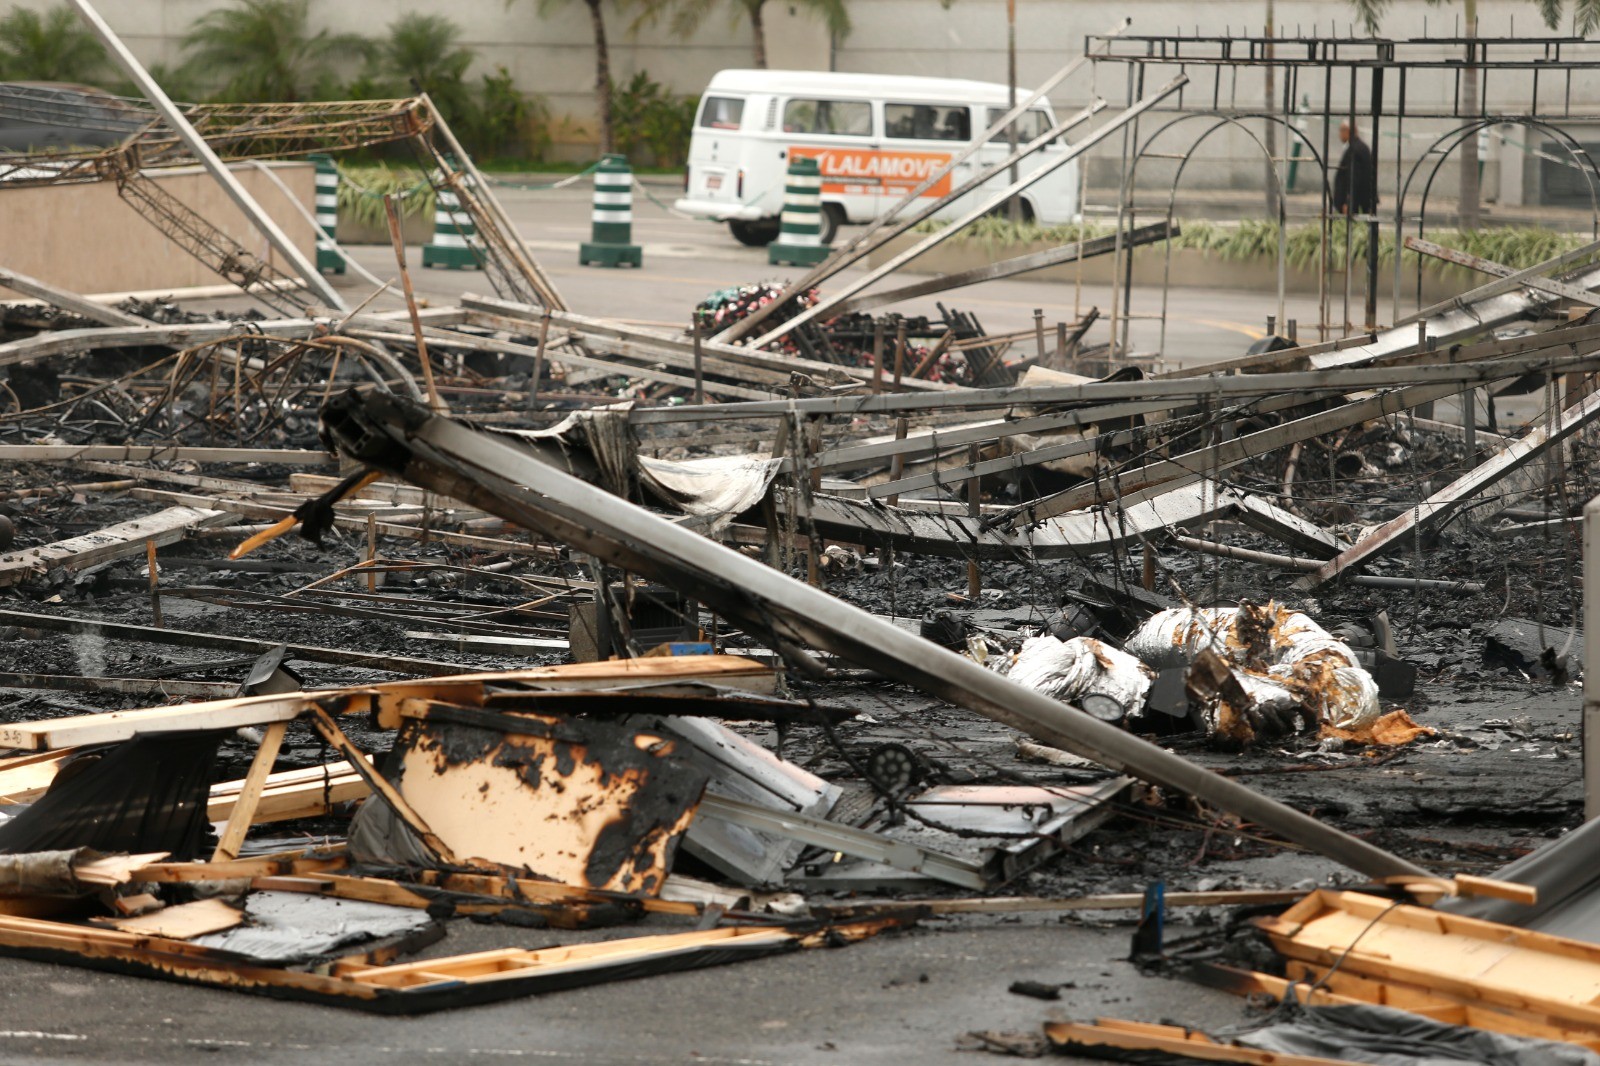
pixel 1513 246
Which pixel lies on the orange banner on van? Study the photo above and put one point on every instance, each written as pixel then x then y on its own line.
pixel 866 171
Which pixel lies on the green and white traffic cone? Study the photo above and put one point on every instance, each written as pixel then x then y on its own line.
pixel 799 240
pixel 453 233
pixel 327 214
pixel 610 241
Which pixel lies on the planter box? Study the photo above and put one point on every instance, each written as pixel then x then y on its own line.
pixel 1190 268
pixel 85 238
pixel 416 231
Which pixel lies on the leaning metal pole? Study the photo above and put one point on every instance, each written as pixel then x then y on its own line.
pixel 214 166
pixel 439 453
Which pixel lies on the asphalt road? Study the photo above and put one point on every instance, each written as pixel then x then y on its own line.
pixel 685 260
pixel 896 999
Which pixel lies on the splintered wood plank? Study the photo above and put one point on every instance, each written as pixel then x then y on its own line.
pixel 183 922
pixel 112 726
pixel 244 807
pixel 1480 962
pixel 120 541
pixel 289 794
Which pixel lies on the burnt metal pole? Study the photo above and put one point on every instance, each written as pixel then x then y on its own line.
pixel 438 453
pixel 1014 208
pixel 1591 651
pixel 191 138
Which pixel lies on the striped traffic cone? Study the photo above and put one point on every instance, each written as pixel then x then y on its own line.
pixel 611 234
pixel 327 214
pixel 799 240
pixel 453 233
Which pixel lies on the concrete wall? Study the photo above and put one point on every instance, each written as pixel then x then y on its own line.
pixel 552 55
pixel 86 239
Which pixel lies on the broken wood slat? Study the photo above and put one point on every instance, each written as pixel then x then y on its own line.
pixel 68 300
pixel 1484 962
pixel 24 777
pixel 1110 1036
pixel 1450 499
pixel 387 529
pixel 149 453
pixel 383 699
pixel 308 863
pixel 244 806
pixel 216 641
pixel 571 909
pixel 330 731
pixel 291 794
pixel 182 922
pixel 415 988
pixel 112 726
pixel 120 541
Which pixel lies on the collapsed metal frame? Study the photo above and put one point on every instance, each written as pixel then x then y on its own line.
pixel 1392 69
pixel 257 131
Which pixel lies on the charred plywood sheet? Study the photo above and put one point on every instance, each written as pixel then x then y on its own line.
pixel 581 802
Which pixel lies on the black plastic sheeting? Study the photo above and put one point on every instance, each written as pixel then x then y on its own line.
pixel 1566 873
pixel 145 794
pixel 1389 1037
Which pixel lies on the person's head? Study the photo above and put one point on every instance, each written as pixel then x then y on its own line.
pixel 1346 131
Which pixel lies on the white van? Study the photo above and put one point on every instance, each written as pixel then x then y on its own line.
pixel 874 136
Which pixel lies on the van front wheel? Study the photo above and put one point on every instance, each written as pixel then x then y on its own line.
pixel 832 219
pixel 757 234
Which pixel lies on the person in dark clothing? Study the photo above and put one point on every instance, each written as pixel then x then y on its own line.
pixel 1355 185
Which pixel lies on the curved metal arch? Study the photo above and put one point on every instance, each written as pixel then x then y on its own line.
pixel 1222 122
pixel 1265 116
pixel 1591 174
pixel 1591 171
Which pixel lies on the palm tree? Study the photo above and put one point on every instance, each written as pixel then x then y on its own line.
pixel 267 52
pixel 602 62
pixel 55 46
pixel 1585 18
pixel 687 15
pixel 424 50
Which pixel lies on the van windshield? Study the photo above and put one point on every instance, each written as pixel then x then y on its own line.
pixel 838 118
pixel 927 122
pixel 1030 125
pixel 721 112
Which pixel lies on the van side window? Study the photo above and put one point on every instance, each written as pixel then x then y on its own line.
pixel 927 122
pixel 721 112
pixel 838 118
pixel 1030 125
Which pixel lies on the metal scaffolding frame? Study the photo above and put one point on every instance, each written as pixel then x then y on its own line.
pixel 1377 80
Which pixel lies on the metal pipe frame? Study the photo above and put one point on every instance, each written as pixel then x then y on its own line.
pixel 246 203
pixel 440 454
